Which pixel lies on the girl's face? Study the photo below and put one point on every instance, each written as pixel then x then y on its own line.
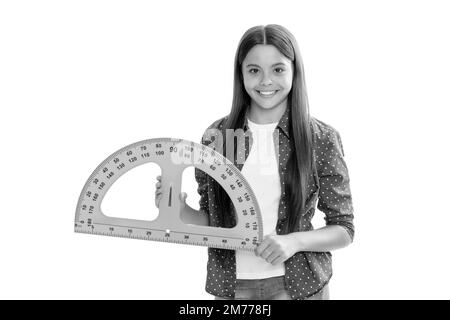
pixel 267 76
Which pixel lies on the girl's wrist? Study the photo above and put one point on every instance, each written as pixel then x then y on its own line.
pixel 297 241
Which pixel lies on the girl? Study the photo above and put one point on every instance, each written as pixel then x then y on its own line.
pixel 303 163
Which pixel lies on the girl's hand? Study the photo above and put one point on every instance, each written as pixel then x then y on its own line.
pixel 276 248
pixel 158 192
pixel 158 195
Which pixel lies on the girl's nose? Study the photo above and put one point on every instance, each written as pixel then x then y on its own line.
pixel 266 80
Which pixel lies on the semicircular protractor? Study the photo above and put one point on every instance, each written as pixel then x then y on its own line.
pixel 173 156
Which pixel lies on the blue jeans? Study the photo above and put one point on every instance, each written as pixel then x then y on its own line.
pixel 269 289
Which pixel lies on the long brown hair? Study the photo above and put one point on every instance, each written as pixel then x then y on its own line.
pixel 300 161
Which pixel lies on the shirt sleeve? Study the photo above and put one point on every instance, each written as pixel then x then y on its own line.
pixel 335 198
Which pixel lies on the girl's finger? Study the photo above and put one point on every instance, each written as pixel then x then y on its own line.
pixel 262 246
pixel 272 257
pixel 277 260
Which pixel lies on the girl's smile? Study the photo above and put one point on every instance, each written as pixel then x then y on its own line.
pixel 267 94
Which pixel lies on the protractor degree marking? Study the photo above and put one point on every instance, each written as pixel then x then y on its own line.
pixel 165 230
pixel 201 244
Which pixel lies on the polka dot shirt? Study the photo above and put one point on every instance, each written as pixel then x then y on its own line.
pixel 306 272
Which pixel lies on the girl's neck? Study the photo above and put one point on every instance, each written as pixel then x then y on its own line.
pixel 260 115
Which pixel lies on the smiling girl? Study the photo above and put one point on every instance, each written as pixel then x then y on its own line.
pixel 292 161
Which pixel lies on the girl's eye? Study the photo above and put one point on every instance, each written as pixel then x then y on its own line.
pixel 254 70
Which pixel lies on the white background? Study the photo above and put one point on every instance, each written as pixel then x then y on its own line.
pixel 82 79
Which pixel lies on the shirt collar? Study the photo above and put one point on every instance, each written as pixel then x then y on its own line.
pixel 283 124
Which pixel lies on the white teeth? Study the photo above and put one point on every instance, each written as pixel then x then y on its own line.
pixel 267 93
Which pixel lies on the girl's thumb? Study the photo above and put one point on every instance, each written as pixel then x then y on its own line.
pixel 183 196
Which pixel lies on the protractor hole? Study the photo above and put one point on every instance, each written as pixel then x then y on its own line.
pixel 132 196
pixel 231 222
pixel 190 185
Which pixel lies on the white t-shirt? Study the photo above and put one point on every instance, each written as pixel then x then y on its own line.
pixel 261 171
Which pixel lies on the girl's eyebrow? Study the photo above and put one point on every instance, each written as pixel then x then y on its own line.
pixel 255 65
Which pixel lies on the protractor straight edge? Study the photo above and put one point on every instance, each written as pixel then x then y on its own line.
pixel 173 156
